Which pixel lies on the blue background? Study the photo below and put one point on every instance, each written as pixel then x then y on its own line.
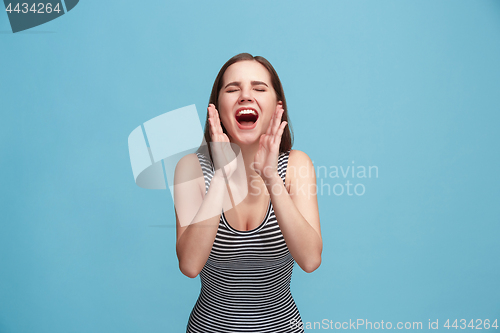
pixel 411 87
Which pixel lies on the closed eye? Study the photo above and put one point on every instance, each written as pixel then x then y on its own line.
pixel 260 87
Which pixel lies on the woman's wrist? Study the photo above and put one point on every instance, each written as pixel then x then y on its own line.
pixel 219 176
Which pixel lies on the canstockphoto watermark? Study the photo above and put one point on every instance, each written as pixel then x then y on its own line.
pixel 328 324
pixel 431 324
pixel 333 180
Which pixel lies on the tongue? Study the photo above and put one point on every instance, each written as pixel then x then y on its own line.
pixel 246 119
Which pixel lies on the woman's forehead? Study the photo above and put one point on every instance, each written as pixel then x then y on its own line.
pixel 247 70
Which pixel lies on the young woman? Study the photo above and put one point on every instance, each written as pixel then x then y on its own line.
pixel 246 207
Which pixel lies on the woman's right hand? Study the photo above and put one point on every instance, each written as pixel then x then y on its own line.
pixel 222 153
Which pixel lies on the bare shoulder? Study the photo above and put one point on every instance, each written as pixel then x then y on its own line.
pixel 188 168
pixel 298 158
pixel 299 166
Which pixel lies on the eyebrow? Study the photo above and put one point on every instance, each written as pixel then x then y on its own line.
pixel 254 83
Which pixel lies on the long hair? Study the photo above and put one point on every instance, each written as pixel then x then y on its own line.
pixel 287 137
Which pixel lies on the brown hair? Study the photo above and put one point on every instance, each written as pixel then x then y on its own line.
pixel 287 137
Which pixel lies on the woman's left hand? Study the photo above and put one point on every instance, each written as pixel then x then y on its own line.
pixel 266 158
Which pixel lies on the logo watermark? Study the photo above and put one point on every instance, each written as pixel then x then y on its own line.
pixel 169 142
pixel 328 180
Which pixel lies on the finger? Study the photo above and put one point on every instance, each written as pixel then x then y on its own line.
pixel 282 128
pixel 263 141
pixel 216 114
pixel 210 109
pixel 213 125
pixel 215 121
pixel 214 132
pixel 272 123
pixel 280 132
pixel 218 122
pixel 211 128
pixel 211 118
pixel 276 123
pixel 270 126
pixel 268 131
pixel 213 113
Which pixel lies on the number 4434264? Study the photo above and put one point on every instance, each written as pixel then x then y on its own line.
pixel 479 324
pixel 40 8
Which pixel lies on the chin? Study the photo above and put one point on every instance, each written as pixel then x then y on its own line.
pixel 246 140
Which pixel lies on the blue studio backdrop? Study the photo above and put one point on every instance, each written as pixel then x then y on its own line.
pixel 406 90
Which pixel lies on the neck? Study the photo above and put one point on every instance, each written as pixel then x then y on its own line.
pixel 253 179
pixel 248 152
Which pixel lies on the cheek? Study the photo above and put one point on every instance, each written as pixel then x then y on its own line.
pixel 226 103
pixel 267 121
pixel 224 118
pixel 223 108
pixel 270 104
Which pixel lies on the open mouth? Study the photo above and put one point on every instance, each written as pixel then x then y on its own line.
pixel 246 118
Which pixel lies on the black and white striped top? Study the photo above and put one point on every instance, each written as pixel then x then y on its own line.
pixel 245 283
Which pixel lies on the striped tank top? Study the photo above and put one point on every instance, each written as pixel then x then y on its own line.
pixel 245 283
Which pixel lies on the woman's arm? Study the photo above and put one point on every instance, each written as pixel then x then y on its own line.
pixel 197 215
pixel 296 209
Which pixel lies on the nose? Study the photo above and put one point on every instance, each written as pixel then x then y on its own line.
pixel 246 95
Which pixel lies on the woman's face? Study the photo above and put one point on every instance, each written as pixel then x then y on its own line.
pixel 247 101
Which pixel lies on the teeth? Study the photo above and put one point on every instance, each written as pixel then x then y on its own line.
pixel 246 112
